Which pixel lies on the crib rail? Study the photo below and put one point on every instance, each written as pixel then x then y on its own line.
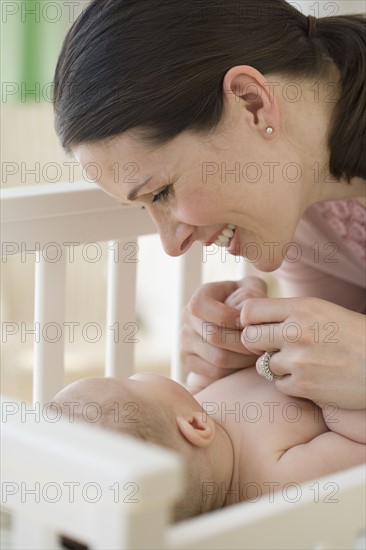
pixel 81 482
pixel 66 213
pixel 327 513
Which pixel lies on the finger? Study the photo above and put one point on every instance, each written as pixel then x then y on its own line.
pixel 193 345
pixel 223 338
pixel 253 284
pixel 228 359
pixel 258 339
pixel 285 384
pixel 207 303
pixel 264 366
pixel 215 343
pixel 249 287
pixel 237 298
pixel 267 310
pixel 271 337
pixel 278 365
pixel 219 335
pixel 221 357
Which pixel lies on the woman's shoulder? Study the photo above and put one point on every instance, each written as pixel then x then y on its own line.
pixel 331 238
pixel 346 221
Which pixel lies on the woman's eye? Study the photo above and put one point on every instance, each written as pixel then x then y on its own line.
pixel 163 195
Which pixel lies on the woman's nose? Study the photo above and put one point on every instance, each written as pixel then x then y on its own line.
pixel 176 239
pixel 176 236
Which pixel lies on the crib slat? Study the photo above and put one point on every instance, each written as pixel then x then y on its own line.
pixel 122 328
pixel 188 278
pixel 49 317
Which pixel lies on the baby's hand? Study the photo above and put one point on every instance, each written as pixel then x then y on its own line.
pixel 250 287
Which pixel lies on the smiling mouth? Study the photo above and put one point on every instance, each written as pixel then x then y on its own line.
pixel 225 237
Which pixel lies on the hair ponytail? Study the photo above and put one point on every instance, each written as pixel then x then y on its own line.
pixel 344 38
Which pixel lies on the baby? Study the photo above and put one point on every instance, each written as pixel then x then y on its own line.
pixel 239 437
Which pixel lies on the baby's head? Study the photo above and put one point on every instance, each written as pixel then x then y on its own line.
pixel 158 410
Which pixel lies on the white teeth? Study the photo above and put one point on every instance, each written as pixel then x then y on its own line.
pixel 225 237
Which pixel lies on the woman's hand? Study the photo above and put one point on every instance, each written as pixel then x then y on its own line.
pixel 210 342
pixel 320 347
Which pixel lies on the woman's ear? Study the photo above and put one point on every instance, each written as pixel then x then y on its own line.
pixel 257 96
pixel 198 428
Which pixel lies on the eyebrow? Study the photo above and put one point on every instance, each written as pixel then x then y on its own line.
pixel 132 195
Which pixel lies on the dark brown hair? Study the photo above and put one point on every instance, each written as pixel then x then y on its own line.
pixel 159 65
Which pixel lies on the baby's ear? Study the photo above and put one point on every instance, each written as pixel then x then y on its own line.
pixel 198 428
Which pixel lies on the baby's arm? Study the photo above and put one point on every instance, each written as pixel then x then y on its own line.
pixel 326 453
pixel 345 422
pixel 340 448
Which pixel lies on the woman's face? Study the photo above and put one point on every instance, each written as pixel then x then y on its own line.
pixel 198 185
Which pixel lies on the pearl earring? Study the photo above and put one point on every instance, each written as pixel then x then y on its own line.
pixel 269 130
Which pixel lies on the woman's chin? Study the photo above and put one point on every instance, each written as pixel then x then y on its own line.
pixel 267 266
pixel 263 258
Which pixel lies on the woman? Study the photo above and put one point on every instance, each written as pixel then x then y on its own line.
pixel 241 123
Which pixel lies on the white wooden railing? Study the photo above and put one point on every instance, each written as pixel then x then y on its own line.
pixel 50 218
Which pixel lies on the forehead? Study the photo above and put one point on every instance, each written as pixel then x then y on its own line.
pixel 117 165
pixel 126 151
pixel 123 148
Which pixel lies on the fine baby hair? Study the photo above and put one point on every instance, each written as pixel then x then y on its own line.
pixel 115 405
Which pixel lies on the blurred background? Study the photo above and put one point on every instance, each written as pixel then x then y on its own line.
pixel 31 36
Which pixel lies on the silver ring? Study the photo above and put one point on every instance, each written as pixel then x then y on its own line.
pixel 264 365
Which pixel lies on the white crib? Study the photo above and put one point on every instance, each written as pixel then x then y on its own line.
pixel 77 481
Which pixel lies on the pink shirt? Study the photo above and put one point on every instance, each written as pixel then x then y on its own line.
pixel 329 258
